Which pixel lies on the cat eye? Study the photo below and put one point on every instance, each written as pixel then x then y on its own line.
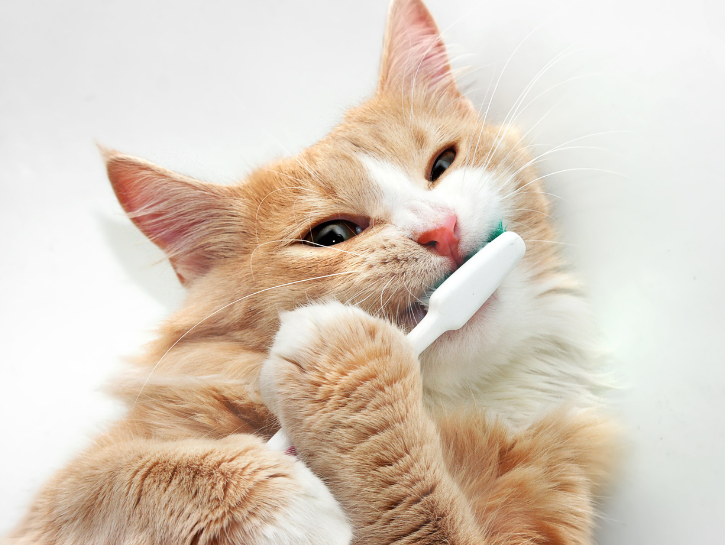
pixel 333 232
pixel 441 163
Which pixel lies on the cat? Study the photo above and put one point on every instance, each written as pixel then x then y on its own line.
pixel 303 280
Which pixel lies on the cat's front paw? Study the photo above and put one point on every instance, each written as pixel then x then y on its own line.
pixel 336 374
pixel 305 336
pixel 312 517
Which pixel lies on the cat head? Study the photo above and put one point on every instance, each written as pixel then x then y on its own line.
pixel 376 214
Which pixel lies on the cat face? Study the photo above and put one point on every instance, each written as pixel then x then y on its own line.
pixel 376 215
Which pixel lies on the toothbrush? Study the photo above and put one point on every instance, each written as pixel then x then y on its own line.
pixel 457 299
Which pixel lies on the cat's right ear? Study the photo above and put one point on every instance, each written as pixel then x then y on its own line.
pixel 193 222
pixel 414 55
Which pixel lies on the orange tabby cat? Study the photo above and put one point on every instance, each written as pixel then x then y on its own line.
pixel 303 280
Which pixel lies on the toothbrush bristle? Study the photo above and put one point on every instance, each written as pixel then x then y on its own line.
pixel 500 230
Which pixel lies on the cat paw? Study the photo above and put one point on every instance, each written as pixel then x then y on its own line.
pixel 303 334
pixel 313 516
pixel 331 365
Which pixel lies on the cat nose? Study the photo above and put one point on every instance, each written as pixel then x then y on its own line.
pixel 442 239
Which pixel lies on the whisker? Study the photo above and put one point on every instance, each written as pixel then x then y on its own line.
pixel 357 303
pixel 539 157
pixel 550 242
pixel 503 70
pixel 565 170
pixel 555 196
pixel 413 296
pixel 381 295
pixel 308 167
pixel 531 210
pixel 517 103
pixel 392 294
pixel 590 135
pixel 568 80
pixel 514 147
pixel 256 215
pixel 224 307
pixel 559 147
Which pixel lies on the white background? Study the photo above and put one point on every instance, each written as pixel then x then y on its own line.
pixel 215 88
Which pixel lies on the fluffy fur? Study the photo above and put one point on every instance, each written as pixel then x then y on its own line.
pixel 492 437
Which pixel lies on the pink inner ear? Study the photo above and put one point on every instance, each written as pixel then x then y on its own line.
pixel 167 222
pixel 147 203
pixel 176 213
pixel 414 51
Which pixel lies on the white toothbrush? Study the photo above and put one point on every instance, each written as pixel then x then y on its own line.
pixel 457 299
pixel 467 289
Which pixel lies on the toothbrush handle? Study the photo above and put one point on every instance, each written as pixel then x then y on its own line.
pixel 280 441
pixel 427 331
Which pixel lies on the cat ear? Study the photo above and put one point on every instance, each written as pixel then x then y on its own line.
pixel 193 222
pixel 414 53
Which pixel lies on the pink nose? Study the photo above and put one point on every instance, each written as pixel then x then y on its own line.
pixel 442 240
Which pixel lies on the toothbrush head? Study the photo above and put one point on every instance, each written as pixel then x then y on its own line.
pixel 500 230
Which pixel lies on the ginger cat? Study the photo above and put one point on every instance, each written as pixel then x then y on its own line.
pixel 302 282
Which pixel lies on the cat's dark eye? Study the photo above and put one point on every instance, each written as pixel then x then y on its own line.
pixel 333 232
pixel 441 163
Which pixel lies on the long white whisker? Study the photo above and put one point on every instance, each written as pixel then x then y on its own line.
pixel 531 210
pixel 539 157
pixel 503 70
pixel 308 167
pixel 565 170
pixel 224 307
pixel 415 297
pixel 560 147
pixel 368 296
pixel 381 295
pixel 555 196
pixel 392 294
pixel 517 103
pixel 568 80
pixel 514 147
pixel 549 241
pixel 590 135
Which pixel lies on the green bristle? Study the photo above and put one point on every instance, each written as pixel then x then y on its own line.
pixel 500 230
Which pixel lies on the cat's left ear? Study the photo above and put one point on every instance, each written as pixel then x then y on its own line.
pixel 196 224
pixel 414 55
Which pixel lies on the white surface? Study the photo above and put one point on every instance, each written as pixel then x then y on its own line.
pixel 215 88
